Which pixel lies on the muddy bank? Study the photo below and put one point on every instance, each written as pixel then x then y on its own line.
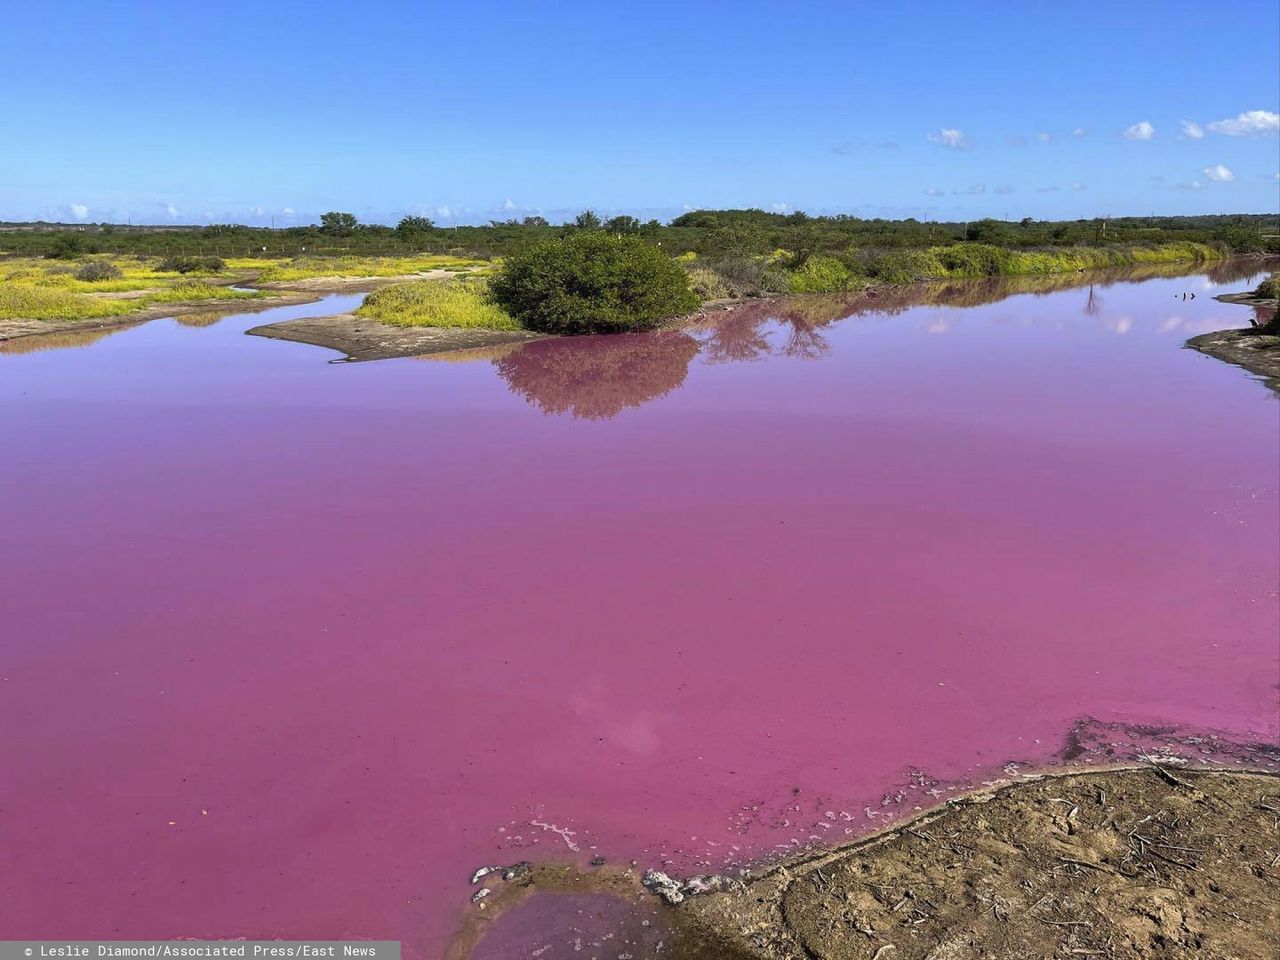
pixel 1154 861
pixel 1257 348
pixel 1254 350
pixel 362 339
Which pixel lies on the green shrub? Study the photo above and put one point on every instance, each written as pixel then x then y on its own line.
pixel 96 271
pixel 820 275
pixel 592 282
pixel 436 303
pixel 190 265
pixel 707 284
pixel 906 266
pixel 747 276
pixel 66 246
pixel 1269 289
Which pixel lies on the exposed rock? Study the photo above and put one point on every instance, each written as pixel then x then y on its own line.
pixel 664 886
pixel 516 870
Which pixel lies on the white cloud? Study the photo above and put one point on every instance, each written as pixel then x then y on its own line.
pixel 1140 131
pixel 1004 188
pixel 1044 137
pixel 171 210
pixel 1190 185
pixel 975 190
pixel 1220 173
pixel 258 211
pixel 443 212
pixel 933 192
pixel 508 204
pixel 1191 130
pixel 951 138
pixel 288 212
pixel 1078 186
pixel 79 211
pixel 1079 132
pixel 780 207
pixel 1251 123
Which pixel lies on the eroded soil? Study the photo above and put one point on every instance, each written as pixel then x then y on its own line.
pixel 1154 862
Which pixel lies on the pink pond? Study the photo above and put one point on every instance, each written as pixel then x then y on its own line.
pixel 289 648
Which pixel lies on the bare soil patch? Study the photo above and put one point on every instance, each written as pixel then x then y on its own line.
pixel 1153 862
pixel 362 339
pixel 1256 349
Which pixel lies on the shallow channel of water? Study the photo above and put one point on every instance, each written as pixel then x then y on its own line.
pixel 290 647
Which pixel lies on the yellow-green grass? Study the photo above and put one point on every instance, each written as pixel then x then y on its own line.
pixel 437 303
pixel 307 268
pixel 136 273
pixel 30 299
pixel 198 290
pixel 26 301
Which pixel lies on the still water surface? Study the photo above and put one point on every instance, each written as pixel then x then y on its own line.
pixel 289 648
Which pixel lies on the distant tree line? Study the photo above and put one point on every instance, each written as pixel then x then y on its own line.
pixel 708 233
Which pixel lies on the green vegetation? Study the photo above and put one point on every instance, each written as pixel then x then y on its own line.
pixel 437 303
pixel 95 271
pixel 1269 289
pixel 186 290
pixel 712 234
pixel 29 302
pixel 592 282
pixel 821 275
pixel 593 274
pixel 52 290
pixel 185 265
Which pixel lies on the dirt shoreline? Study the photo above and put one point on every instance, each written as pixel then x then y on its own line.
pixel 1143 861
pixel 1254 349
pixel 359 338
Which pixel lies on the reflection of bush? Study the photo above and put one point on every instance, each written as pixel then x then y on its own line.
pixel 597 377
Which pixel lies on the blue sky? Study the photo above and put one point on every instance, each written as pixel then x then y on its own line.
pixel 249 112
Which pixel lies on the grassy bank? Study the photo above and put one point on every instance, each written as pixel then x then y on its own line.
pixel 53 290
pixel 435 303
pixel 583 288
pixel 784 271
pixel 308 268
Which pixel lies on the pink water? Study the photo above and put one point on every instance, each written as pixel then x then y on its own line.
pixel 289 648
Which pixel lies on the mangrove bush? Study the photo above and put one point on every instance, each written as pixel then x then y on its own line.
pixel 592 282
